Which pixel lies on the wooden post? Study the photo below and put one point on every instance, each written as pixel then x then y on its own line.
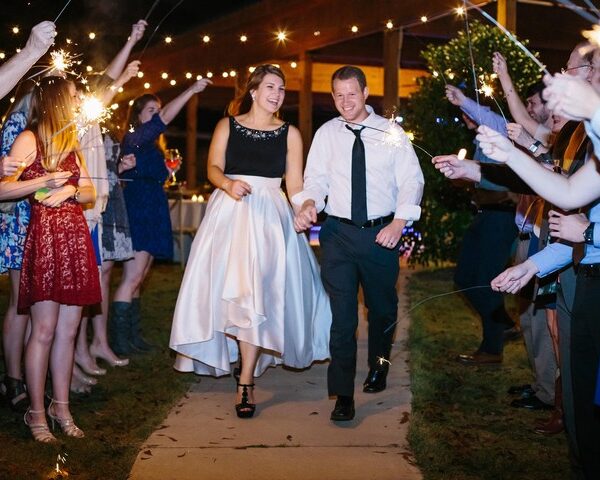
pixel 191 146
pixel 392 49
pixel 507 14
pixel 305 101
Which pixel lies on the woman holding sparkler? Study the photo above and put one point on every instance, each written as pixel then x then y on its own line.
pixel 147 210
pixel 250 276
pixel 59 273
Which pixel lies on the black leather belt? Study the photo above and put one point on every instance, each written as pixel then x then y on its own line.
pixel 368 224
pixel 588 269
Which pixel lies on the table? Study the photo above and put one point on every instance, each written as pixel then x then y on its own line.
pixel 186 216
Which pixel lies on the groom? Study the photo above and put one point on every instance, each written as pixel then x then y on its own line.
pixel 373 190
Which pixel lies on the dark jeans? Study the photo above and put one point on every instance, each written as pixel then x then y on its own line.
pixel 351 257
pixel 485 252
pixel 585 356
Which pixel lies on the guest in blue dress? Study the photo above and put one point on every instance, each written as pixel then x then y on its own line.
pixel 147 209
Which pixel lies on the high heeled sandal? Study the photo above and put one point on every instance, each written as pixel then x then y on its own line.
pixel 245 409
pixel 39 431
pixel 67 425
pixel 82 377
pixel 15 393
pixel 119 362
pixel 90 370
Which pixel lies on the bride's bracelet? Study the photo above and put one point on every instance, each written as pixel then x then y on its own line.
pixel 225 184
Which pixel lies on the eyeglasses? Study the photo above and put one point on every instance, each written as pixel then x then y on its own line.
pixel 565 70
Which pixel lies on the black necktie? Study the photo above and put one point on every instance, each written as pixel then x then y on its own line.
pixel 359 180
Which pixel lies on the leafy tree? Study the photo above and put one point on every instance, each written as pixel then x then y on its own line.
pixel 438 128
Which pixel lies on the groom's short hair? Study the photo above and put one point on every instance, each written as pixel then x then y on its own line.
pixel 347 72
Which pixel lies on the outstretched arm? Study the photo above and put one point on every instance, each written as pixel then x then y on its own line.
pixel 171 109
pixel 517 108
pixel 580 189
pixel 116 66
pixel 40 40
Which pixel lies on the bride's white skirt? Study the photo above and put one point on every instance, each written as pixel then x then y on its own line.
pixel 250 276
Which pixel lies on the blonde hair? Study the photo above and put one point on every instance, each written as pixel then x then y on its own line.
pixel 53 121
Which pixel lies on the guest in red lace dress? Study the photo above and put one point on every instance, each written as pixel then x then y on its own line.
pixel 59 273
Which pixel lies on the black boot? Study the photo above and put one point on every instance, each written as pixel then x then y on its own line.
pixel 119 328
pixel 15 393
pixel 135 334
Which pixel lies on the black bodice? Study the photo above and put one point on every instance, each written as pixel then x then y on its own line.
pixel 259 153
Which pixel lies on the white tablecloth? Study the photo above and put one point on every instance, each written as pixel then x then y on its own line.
pixel 186 217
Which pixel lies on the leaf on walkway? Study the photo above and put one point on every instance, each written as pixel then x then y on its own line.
pixel 404 418
pixel 182 455
pixel 289 437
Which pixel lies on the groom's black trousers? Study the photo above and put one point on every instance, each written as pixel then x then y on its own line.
pixel 349 257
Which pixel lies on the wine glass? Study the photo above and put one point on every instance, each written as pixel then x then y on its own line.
pixel 173 163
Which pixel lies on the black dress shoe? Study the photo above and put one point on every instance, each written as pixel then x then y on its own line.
pixel 522 390
pixel 344 409
pixel 375 381
pixel 531 403
pixel 512 334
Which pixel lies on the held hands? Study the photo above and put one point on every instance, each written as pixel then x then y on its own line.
pixel 9 166
pixel 567 227
pixel 56 179
pixel 137 31
pixel 389 235
pixel 200 85
pixel 236 189
pixel 127 162
pixel 455 95
pixel 517 134
pixel 455 169
pixel 41 38
pixel 514 278
pixel 499 65
pixel 570 97
pixel 306 216
pixel 494 145
pixel 58 195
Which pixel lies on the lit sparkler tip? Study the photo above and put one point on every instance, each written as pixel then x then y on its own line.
pixel 593 35
pixel 61 60
pixel 462 154
pixel 487 90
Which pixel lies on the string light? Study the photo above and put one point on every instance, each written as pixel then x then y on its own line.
pixel 146 85
pixel 232 73
pixel 89 68
pixel 92 35
pixel 423 18
pixel 18 50
pixel 198 77
pixel 114 106
pixel 69 41
pixel 168 39
pixel 460 11
pixel 209 74
pixel 251 69
pixel 225 74
pixel 281 36
pixel 131 101
pixel 188 75
pixel 243 38
pixel 206 39
pixel 15 30
pixel 140 74
pixel 173 82
pixel 12 99
pixel 2 55
pixel 354 29
pixel 316 33
pixel 120 90
pixel 389 25
pixel 164 75
pixel 293 64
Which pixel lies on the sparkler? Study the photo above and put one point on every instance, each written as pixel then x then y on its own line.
pixel 157 27
pixel 593 35
pixel 61 12
pixel 472 58
pixel 151 10
pixel 511 37
pixel 462 154
pixel 579 11
pixel 488 92
pixel 394 133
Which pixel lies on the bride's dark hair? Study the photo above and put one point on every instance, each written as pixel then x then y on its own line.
pixel 243 102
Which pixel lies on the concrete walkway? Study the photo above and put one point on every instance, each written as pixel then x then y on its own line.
pixel 291 436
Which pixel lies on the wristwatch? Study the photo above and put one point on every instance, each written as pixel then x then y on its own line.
pixel 588 234
pixel 534 146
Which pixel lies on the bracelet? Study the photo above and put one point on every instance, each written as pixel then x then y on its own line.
pixel 76 194
pixel 225 183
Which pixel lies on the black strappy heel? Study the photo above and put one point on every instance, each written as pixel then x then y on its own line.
pixel 244 409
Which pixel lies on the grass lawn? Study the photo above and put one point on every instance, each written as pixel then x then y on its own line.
pixel 123 409
pixel 462 426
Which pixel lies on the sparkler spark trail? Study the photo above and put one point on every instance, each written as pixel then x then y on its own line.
pixel 579 10
pixel 472 58
pixel 151 10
